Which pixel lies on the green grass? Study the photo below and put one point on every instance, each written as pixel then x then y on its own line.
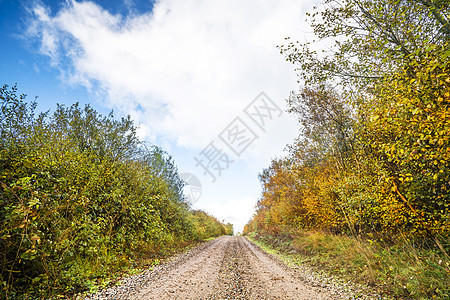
pixel 401 271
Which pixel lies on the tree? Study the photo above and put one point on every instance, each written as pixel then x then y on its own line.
pixel 407 126
pixel 368 38
pixel 373 154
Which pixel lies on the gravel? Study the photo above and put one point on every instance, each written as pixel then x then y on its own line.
pixel 230 268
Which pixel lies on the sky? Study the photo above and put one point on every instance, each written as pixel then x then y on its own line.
pixel 204 80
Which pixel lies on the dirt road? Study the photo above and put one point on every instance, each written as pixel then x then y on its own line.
pixel 224 268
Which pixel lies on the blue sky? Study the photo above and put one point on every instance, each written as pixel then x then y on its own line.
pixel 21 61
pixel 190 73
pixel 22 64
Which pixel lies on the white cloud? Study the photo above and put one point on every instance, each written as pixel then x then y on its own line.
pixel 238 212
pixel 184 71
pixel 36 68
pixel 191 66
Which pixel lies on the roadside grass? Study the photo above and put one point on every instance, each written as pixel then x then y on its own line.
pixel 400 271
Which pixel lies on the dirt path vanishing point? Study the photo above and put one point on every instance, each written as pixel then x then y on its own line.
pixel 224 268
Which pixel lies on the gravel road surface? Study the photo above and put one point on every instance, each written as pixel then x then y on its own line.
pixel 229 267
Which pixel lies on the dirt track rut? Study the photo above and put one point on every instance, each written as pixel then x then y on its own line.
pixel 224 268
pixel 229 268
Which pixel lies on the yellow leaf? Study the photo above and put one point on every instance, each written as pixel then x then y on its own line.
pixel 35 238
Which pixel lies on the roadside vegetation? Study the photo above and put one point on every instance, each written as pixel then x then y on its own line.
pixel 82 199
pixel 365 189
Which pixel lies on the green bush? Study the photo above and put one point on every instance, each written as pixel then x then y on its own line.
pixel 81 198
